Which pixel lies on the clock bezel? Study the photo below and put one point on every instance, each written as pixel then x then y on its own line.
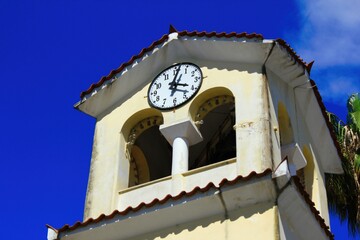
pixel 180 104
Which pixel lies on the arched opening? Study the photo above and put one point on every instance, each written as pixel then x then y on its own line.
pixel 289 148
pixel 139 168
pixel 215 118
pixel 309 170
pixel 285 127
pixel 148 151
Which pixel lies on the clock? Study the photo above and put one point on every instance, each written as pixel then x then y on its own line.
pixel 175 86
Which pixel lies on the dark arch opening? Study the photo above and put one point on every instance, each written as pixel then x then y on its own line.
pixel 157 152
pixel 150 154
pixel 219 136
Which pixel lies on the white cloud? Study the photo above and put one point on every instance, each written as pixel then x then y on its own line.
pixel 330 32
pixel 330 35
pixel 338 88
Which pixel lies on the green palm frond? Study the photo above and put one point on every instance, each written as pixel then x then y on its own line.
pixel 338 126
pixel 353 106
pixel 344 190
pixel 343 193
pixel 357 162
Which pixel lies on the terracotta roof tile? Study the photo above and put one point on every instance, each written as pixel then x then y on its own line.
pixel 193 34
pixel 122 66
pixel 162 40
pixel 163 200
pixel 196 190
pixel 224 181
pixel 220 35
pixel 294 55
pixel 311 205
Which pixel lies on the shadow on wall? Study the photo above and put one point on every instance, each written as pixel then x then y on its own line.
pixel 215 227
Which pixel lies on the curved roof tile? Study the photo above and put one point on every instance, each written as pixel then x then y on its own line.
pixel 311 205
pixel 221 35
pixel 224 181
pixel 122 66
pixel 164 200
pixel 197 189
pixel 162 40
pixel 293 54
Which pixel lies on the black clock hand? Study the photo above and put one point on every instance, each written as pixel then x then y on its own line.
pixel 179 90
pixel 182 84
pixel 177 82
pixel 174 87
pixel 173 81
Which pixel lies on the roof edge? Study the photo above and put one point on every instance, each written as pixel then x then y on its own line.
pixel 327 121
pixel 122 66
pixel 294 55
pixel 311 204
pixel 168 197
pixel 162 40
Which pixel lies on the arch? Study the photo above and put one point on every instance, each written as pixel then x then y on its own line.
pixel 215 109
pixel 285 127
pixel 147 150
pixel 142 126
pixel 212 93
pixel 309 170
pixel 137 117
pixel 139 168
pixel 212 103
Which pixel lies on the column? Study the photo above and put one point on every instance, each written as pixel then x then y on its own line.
pixel 180 158
pixel 181 135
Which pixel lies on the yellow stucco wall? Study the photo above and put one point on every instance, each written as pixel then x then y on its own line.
pixel 110 167
pixel 257 131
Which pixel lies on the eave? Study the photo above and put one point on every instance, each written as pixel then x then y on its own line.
pixel 243 48
pixel 309 105
pixel 175 47
pixel 200 203
pixel 300 213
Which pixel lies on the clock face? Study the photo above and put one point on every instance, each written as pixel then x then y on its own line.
pixel 175 86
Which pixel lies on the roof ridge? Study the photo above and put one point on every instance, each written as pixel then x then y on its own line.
pixel 162 40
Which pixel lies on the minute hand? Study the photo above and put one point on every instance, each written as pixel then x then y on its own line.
pixel 173 83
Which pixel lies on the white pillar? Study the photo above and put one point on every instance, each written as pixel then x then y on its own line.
pixel 181 135
pixel 180 158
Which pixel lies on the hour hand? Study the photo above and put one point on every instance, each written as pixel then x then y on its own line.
pixel 182 84
pixel 173 90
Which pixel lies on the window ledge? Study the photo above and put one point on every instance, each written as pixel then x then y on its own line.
pixel 145 184
pixel 208 167
pixel 173 185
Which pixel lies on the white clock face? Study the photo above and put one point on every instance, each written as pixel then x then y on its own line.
pixel 175 86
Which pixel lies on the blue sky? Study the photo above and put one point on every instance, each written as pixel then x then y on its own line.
pixel 50 51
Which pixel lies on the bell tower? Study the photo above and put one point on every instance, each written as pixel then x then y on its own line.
pixel 207 136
